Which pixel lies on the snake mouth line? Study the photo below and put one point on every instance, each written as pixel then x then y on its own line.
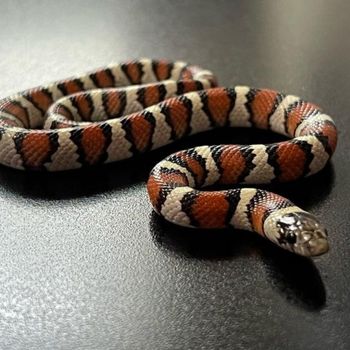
pixel 318 246
pixel 313 247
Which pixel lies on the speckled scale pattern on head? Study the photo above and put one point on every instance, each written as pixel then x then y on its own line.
pixel 125 109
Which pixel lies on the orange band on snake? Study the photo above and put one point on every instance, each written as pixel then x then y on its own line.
pixel 130 108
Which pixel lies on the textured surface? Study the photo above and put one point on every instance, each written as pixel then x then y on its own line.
pixel 84 262
pixel 126 109
pixel 124 126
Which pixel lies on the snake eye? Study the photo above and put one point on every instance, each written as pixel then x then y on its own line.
pixel 291 238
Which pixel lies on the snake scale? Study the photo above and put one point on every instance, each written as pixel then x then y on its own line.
pixel 125 109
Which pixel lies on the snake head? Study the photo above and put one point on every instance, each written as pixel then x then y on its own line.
pixel 300 232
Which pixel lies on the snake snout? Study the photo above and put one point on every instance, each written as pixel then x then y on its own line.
pixel 302 233
pixel 318 246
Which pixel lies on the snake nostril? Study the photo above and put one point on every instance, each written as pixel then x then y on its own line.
pixel 291 238
pixel 321 233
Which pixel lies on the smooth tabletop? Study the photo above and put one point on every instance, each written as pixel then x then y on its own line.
pixel 86 264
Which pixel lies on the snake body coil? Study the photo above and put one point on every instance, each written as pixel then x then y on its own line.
pixel 130 108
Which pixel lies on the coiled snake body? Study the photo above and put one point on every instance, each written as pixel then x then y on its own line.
pixel 130 108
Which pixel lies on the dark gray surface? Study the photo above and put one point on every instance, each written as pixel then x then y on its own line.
pixel 84 264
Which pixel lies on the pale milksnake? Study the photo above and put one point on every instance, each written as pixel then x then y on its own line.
pixel 130 108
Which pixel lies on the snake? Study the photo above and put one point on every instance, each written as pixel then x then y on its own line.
pixel 130 108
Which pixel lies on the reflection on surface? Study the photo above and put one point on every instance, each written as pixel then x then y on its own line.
pixel 296 277
pixel 302 287
pixel 114 176
pixel 123 174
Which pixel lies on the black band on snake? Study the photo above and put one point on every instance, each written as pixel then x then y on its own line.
pixel 130 108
